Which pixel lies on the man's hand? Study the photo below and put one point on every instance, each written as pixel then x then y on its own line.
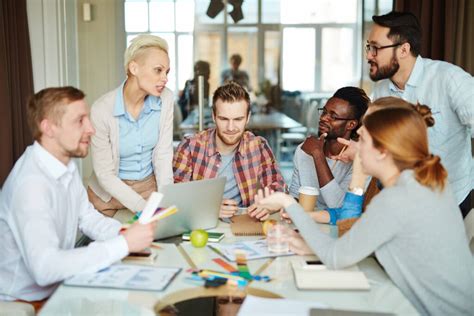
pixel 313 145
pixel 139 236
pixel 349 153
pixel 228 208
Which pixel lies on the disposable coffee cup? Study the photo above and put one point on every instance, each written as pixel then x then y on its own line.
pixel 308 197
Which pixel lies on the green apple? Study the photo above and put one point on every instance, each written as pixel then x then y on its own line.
pixel 199 238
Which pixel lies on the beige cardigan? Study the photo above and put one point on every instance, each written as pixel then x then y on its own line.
pixel 105 151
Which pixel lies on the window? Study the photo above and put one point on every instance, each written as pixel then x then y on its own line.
pixel 306 45
pixel 173 20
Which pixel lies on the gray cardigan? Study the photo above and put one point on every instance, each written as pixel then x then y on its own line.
pixel 105 151
pixel 419 238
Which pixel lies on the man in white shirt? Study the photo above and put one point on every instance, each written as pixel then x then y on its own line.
pixel 43 203
pixel 393 52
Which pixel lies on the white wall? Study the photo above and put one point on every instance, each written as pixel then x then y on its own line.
pixel 53 38
pixel 66 50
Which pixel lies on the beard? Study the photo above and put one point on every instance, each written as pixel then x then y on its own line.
pixel 386 71
pixel 78 152
pixel 227 140
pixel 332 133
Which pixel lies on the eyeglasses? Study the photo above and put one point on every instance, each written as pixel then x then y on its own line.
pixel 374 49
pixel 332 116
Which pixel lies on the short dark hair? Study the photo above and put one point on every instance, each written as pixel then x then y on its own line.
pixel 358 103
pixel 237 58
pixel 404 28
pixel 49 103
pixel 203 68
pixel 230 92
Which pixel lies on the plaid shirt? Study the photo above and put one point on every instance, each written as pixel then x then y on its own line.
pixel 254 165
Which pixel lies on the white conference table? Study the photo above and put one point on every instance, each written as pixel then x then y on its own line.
pixel 383 296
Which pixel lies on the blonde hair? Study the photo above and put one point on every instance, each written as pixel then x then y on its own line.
pixel 141 43
pixel 403 133
pixel 393 102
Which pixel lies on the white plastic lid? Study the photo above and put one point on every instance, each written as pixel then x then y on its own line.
pixel 309 190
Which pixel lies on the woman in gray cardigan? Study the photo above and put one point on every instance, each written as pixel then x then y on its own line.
pixel 413 225
pixel 132 150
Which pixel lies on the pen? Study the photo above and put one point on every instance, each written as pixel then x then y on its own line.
pixel 218 252
pixel 340 153
pixel 205 273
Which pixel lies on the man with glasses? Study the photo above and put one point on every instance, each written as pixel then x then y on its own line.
pixel 313 166
pixel 393 52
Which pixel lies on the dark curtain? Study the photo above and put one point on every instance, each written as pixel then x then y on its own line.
pixel 16 83
pixel 447 28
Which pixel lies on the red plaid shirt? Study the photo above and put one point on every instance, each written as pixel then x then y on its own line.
pixel 254 165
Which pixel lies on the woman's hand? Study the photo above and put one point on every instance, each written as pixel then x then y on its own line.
pixel 349 153
pixel 274 201
pixel 298 245
pixel 284 216
pixel 258 211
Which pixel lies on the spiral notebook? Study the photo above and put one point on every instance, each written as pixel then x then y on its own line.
pixel 244 225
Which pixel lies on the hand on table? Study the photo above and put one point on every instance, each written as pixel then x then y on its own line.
pixel 228 208
pixel 139 236
pixel 298 245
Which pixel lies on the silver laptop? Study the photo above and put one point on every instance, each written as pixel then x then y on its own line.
pixel 198 205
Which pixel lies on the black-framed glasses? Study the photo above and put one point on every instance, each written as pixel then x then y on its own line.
pixel 373 50
pixel 332 116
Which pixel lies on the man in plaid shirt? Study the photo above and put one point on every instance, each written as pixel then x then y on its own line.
pixel 229 151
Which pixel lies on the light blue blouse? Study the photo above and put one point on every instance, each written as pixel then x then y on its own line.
pixel 138 137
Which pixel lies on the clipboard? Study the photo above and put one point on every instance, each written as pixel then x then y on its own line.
pixel 124 276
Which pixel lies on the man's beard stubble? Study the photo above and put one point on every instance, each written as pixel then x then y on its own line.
pixel 386 71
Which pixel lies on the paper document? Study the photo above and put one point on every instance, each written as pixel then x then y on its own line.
pixel 123 276
pixel 255 249
pixel 325 279
pixel 254 305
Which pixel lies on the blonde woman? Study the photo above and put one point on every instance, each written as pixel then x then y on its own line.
pixel 132 149
pixel 413 225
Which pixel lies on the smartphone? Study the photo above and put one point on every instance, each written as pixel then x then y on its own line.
pixel 144 253
pixel 314 265
pixel 313 262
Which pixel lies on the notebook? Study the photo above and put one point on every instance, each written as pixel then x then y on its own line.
pixel 244 225
pixel 146 256
pixel 321 278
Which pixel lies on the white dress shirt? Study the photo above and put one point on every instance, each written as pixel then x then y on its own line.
pixel 43 203
pixel 449 91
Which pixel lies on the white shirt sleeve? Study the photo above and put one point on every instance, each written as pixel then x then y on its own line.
pixel 45 233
